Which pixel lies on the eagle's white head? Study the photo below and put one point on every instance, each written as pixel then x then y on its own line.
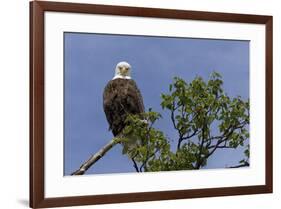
pixel 122 70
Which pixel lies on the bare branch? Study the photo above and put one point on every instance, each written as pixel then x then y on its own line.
pixel 222 147
pixel 94 158
pixel 246 164
pixel 135 165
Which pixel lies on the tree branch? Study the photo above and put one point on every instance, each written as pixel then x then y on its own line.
pixel 246 164
pixel 222 147
pixel 94 158
pixel 135 164
pixel 199 157
pixel 148 157
pixel 191 135
pixel 224 137
pixel 173 116
pixel 147 147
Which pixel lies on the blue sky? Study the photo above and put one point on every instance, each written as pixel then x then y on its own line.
pixel 89 63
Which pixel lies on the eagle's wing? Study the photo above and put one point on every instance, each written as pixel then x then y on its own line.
pixel 136 96
pixel 108 94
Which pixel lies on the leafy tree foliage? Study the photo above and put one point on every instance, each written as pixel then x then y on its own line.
pixel 205 119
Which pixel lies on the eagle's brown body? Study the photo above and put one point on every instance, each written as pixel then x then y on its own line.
pixel 120 98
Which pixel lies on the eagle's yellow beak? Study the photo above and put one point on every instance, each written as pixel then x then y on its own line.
pixel 123 71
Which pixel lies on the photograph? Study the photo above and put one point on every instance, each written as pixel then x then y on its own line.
pixel 135 103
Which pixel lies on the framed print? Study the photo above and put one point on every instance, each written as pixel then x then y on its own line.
pixel 138 104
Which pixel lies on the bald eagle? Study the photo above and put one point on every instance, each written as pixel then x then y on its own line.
pixel 121 97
